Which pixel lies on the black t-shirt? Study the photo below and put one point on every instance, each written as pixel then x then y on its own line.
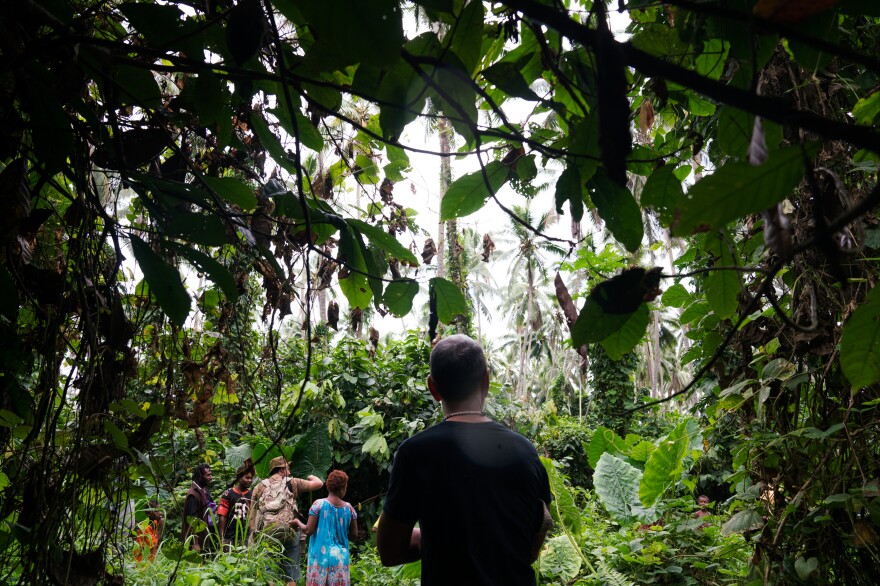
pixel 476 491
pixel 235 505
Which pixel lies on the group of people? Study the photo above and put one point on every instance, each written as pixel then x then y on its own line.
pixel 468 497
pixel 270 508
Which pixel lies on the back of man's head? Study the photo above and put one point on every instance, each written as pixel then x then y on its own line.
pixel 458 366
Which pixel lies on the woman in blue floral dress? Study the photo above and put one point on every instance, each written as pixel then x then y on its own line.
pixel 332 521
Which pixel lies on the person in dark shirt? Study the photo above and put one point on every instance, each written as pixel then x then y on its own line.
pixel 199 505
pixel 234 506
pixel 477 489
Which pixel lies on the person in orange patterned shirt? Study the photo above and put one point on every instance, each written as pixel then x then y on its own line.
pixel 148 537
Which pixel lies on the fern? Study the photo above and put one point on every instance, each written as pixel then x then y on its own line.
pixel 608 576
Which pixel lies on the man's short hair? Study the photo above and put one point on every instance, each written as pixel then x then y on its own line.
pixel 458 366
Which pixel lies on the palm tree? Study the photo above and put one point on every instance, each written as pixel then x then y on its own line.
pixel 525 305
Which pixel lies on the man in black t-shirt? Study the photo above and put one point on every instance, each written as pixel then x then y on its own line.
pixel 234 506
pixel 477 489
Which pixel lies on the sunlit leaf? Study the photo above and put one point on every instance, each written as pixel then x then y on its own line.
pixel 450 300
pixel 738 189
pixel 469 193
pixel 742 521
pixel 313 453
pixel 626 338
pixel 563 507
pixel 860 343
pixel 164 282
pixel 663 468
pixel 620 211
pixel 617 485
pixel 207 229
pixel 399 295
pixel 233 190
pixel 353 274
pixel 215 271
pixel 604 440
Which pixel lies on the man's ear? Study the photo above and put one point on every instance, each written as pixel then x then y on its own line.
pixel 484 385
pixel 432 386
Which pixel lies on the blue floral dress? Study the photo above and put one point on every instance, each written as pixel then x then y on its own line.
pixel 328 546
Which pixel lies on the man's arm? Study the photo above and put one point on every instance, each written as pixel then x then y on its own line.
pixel 397 542
pixel 190 510
pixel 314 483
pixel 255 502
pixel 541 534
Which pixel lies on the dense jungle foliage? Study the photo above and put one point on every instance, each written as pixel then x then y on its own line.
pixel 209 209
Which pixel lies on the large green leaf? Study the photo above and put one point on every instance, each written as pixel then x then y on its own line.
pixel 723 286
pixel 137 86
pixel 595 325
pixel 353 275
pixel 569 188
pixel 210 98
pixel 508 78
pixel 663 191
pixel 308 134
pixel 735 129
pixel 663 468
pixel 623 340
pixel 675 296
pixel 469 193
pixel 376 445
pixel 346 32
pixel 604 440
pixel 271 143
pixel 164 281
pixel 860 343
pixel 207 229
pixel 263 453
pixel 403 92
pixel 399 296
pixel 450 300
pixel 236 455
pixel 467 35
pixel 619 209
pixel 563 508
pixel 617 486
pixel 747 520
pixel 560 559
pixel 313 453
pixel 233 190
pixel 739 189
pixel 385 241
pixel 218 273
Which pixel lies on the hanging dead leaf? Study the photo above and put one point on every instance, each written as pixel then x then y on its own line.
pixel 646 121
pixel 386 189
pixel 333 314
pixel 488 247
pixel 511 159
pixel 355 316
pixel 777 231
pixel 757 152
pixel 394 267
pixel 429 250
